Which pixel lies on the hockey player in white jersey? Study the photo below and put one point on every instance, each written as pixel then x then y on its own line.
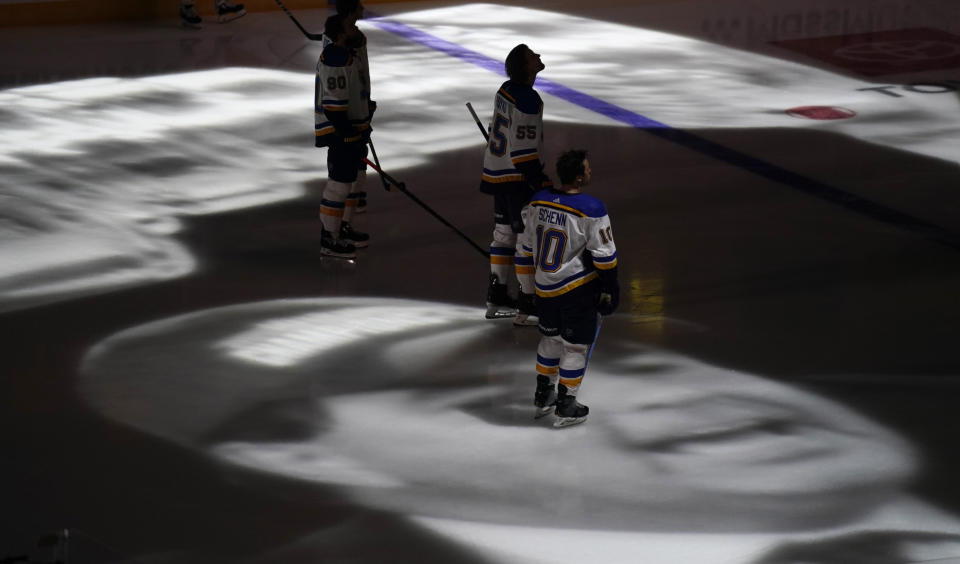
pixel 341 124
pixel 352 10
pixel 512 172
pixel 569 239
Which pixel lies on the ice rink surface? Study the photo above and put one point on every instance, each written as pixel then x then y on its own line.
pixel 187 380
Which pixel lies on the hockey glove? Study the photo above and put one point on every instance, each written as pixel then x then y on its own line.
pixel 609 299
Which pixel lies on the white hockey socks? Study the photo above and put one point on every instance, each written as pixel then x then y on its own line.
pixel 573 363
pixel 549 350
pixel 333 206
pixel 502 249
pixel 353 196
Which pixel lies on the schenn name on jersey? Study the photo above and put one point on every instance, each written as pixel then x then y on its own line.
pixel 569 240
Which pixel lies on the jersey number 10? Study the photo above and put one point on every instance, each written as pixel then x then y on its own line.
pixel 550 246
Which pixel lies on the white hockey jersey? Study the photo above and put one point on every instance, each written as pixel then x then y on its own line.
pixel 359 59
pixel 570 240
pixel 341 109
pixel 514 153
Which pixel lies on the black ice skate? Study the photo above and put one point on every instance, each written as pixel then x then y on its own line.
pixel 335 247
pixel 358 239
pixel 189 17
pixel 499 303
pixel 569 411
pixel 526 310
pixel 228 12
pixel 545 398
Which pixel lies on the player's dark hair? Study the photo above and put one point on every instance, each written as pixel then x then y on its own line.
pixel 345 7
pixel 516 63
pixel 333 27
pixel 570 165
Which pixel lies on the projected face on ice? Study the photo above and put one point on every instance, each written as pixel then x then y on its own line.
pixel 425 409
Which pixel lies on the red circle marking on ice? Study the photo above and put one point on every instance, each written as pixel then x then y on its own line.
pixel 820 112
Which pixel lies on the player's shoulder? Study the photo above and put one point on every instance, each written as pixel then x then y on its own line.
pixel 335 56
pixel 583 205
pixel 358 40
pixel 522 96
pixel 543 197
pixel 591 206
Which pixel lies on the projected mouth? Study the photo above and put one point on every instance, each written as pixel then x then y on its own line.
pixel 726 426
pixel 724 433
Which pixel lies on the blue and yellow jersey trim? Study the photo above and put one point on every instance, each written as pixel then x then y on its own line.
pixel 605 263
pixel 324 129
pixel 583 205
pixel 571 378
pixel 524 155
pixel 523 97
pixel 503 175
pixel 558 207
pixel 524 264
pixel 571 283
pixel 548 366
pixel 332 208
pixel 501 255
pixel 335 105
pixel 503 92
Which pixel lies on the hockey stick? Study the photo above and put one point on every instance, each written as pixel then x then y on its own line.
pixel 310 36
pixel 376 160
pixel 476 119
pixel 596 336
pixel 403 188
